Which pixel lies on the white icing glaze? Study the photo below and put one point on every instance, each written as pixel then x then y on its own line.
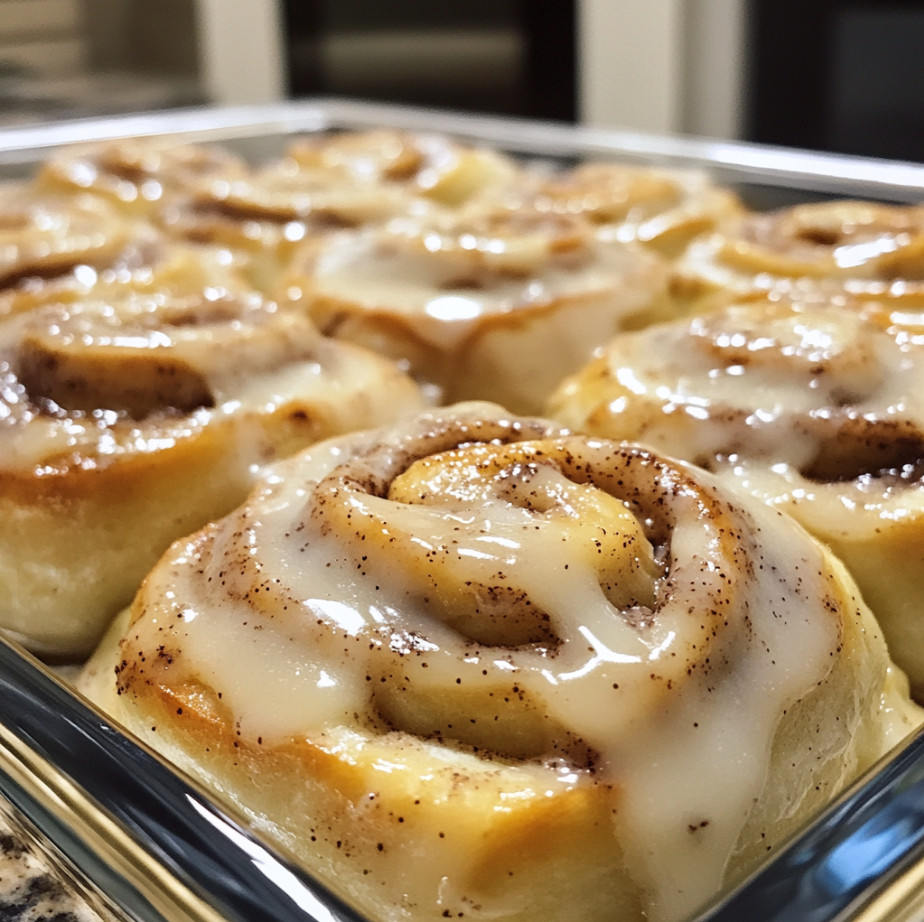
pixel 137 173
pixel 418 163
pixel 488 304
pixel 282 192
pixel 43 234
pixel 816 408
pixel 661 207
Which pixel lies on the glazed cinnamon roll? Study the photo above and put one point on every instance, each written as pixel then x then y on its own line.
pixel 489 303
pixel 829 249
pixel 815 408
pixel 150 264
pixel 137 175
pixel 662 208
pixel 475 666
pixel 429 165
pixel 46 238
pixel 265 217
pixel 57 247
pixel 327 182
pixel 125 423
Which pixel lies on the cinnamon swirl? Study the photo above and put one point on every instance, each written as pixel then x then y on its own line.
pixel 265 217
pixel 328 182
pixel 815 408
pixel 475 666
pixel 129 421
pixel 47 240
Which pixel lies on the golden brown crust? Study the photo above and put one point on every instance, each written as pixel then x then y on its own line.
pixel 46 236
pixel 136 175
pixel 661 208
pixel 426 165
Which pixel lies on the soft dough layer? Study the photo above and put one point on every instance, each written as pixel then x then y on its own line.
pixel 816 408
pixel 129 421
pixel 475 666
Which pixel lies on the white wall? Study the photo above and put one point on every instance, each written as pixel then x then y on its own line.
pixel 241 45
pixel 666 66
pixel 714 68
pixel 44 37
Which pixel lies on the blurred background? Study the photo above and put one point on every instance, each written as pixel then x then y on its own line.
pixel 835 75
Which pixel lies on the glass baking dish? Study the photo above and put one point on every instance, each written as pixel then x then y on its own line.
pixel 148 844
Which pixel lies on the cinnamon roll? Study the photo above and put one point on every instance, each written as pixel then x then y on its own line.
pixel 488 303
pixel 815 408
pixel 829 249
pixel 265 217
pixel 327 182
pixel 57 247
pixel 422 164
pixel 48 239
pixel 125 423
pixel 137 175
pixel 660 207
pixel 475 666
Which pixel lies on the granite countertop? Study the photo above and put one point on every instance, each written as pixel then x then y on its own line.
pixel 33 890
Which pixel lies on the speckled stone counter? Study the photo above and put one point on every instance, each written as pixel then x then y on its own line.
pixel 31 890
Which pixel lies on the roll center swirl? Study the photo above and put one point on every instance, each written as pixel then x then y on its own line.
pixel 528 487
